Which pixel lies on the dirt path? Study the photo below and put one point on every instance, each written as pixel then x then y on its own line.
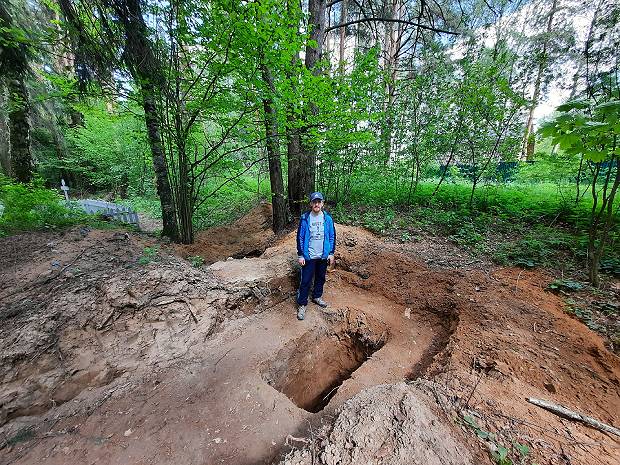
pixel 114 356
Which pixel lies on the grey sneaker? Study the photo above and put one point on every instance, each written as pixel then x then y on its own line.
pixel 320 302
pixel 301 312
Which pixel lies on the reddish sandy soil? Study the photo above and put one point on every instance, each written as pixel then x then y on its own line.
pixel 249 236
pixel 108 356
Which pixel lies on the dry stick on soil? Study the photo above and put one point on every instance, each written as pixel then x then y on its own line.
pixel 293 438
pixel 220 359
pixel 473 390
pixel 105 322
pixel 178 299
pixel 192 313
pixel 574 416
pixel 518 277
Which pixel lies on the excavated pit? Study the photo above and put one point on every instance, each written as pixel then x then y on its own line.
pixel 310 370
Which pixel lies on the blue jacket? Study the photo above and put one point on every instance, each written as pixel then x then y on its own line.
pixel 303 236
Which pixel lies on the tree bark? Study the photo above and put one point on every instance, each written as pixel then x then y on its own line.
pixel 184 203
pixel 295 192
pixel 14 67
pixel 527 149
pixel 19 127
pixel 160 167
pixel 343 35
pixel 278 199
pixel 143 66
pixel 296 199
pixel 392 48
pixel 5 158
pixel 602 214
pixel 307 164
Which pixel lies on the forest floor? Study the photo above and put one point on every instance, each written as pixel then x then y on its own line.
pixel 115 349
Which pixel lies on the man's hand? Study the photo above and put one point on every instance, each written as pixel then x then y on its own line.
pixel 332 261
pixel 302 261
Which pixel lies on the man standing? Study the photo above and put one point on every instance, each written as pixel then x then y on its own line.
pixel 316 244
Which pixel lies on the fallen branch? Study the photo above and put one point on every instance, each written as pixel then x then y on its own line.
pixel 179 299
pixel 574 416
pixel 110 315
pixel 189 307
pixel 220 359
pixel 517 285
pixel 293 438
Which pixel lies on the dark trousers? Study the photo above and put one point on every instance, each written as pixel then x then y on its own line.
pixel 312 269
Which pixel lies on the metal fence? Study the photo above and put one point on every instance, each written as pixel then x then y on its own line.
pixel 121 213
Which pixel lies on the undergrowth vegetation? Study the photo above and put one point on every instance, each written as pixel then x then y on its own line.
pixel 526 225
pixel 26 207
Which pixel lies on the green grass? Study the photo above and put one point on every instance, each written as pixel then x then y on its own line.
pixel 514 224
pixel 29 207
pixel 522 224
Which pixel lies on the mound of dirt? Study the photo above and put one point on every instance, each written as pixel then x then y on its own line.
pixel 249 236
pixel 114 350
pixel 394 424
pixel 74 301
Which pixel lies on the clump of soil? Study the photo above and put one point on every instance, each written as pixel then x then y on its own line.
pixel 83 307
pixel 249 236
pixel 396 424
pixel 113 350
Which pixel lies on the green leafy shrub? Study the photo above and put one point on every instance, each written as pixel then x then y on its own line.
pixel 32 207
pixel 197 261
pixel 611 266
pixel 565 285
pixel 149 254
pixel 467 235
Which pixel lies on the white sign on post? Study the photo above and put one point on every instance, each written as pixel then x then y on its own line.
pixel 65 189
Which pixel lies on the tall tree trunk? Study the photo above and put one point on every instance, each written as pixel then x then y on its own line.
pixel 602 214
pixel 184 203
pixel 527 149
pixel 143 65
pixel 295 192
pixel 160 166
pixel 5 158
pixel 307 163
pixel 296 196
pixel 278 200
pixel 19 127
pixel 393 36
pixel 343 35
pixel 14 67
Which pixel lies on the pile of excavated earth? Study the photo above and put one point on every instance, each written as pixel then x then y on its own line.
pixel 114 349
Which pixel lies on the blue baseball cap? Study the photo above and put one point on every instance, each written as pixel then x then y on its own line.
pixel 316 195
